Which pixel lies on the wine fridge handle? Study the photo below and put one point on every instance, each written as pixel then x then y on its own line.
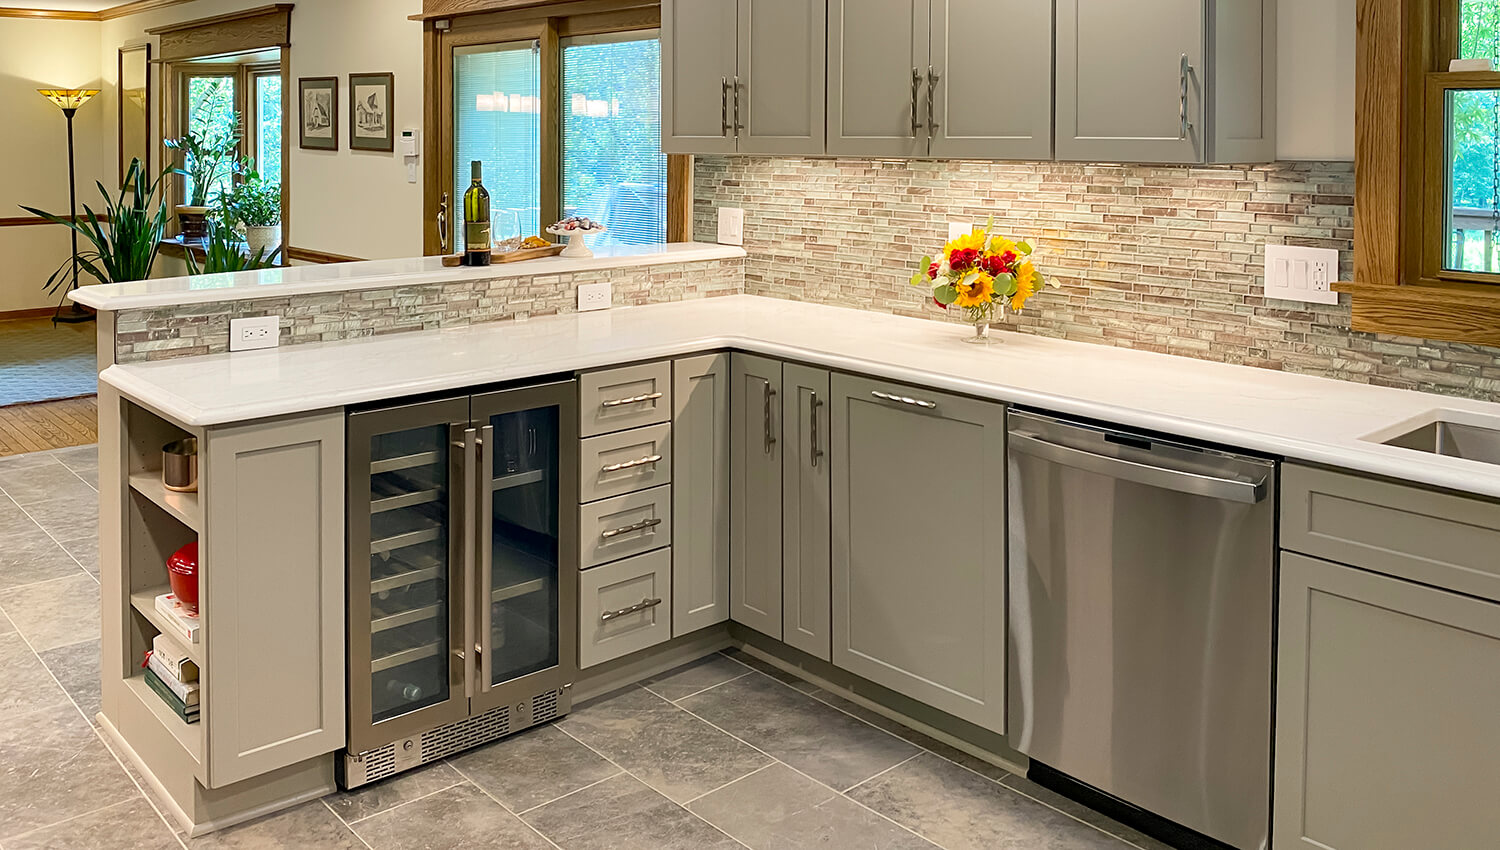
pixel 470 470
pixel 484 527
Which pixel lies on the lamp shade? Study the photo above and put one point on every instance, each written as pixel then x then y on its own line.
pixel 68 98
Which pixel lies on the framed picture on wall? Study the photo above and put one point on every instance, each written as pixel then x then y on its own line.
pixel 318 111
pixel 371 101
pixel 134 107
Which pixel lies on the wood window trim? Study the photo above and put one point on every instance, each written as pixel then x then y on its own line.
pixel 260 28
pixel 1400 180
pixel 498 21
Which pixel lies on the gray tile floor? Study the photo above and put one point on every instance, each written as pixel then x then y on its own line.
pixel 725 752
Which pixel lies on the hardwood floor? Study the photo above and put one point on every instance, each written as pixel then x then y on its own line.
pixel 48 425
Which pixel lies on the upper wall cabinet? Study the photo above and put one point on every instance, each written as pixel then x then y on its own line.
pixel 917 78
pixel 1166 80
pixel 743 76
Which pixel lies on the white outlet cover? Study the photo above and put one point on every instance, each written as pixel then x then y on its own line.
pixel 959 228
pixel 731 226
pixel 1301 274
pixel 254 333
pixel 595 296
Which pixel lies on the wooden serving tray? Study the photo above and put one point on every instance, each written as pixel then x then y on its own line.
pixel 525 254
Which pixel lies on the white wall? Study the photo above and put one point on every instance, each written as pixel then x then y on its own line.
pixel 33 146
pixel 1315 89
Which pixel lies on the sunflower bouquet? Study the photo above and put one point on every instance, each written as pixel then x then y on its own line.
pixel 981 272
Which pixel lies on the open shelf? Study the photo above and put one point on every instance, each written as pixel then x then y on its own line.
pixel 144 602
pixel 183 507
pixel 189 735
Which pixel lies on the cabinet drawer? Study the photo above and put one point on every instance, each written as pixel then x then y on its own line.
pixel 1440 539
pixel 616 464
pixel 624 607
pixel 625 525
pixel 617 399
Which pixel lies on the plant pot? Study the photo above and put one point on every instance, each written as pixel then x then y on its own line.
pixel 192 222
pixel 258 238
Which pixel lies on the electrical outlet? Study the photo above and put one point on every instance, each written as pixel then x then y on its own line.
pixel 1301 274
pixel 731 226
pixel 253 333
pixel 959 228
pixel 595 296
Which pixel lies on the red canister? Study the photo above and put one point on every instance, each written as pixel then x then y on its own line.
pixel 182 570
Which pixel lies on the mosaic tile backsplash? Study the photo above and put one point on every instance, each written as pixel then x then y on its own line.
pixel 1160 258
pixel 191 330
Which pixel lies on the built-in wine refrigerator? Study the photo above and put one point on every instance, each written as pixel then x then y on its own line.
pixel 463 573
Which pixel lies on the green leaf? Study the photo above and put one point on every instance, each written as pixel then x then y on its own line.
pixel 1024 248
pixel 945 294
pixel 1005 284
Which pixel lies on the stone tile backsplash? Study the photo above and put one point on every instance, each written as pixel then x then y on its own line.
pixel 191 330
pixel 1160 258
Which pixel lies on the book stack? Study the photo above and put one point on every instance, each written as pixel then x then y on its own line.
pixel 174 677
pixel 178 617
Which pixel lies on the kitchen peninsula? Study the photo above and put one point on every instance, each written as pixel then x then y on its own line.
pixel 666 428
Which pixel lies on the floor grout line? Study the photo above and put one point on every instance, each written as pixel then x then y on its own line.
pixel 336 816
pixel 507 809
pixel 686 803
pixel 918 754
pixel 702 691
pixel 618 772
pixel 682 806
pixel 462 780
pixel 52 537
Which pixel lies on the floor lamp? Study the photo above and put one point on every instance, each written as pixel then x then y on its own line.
pixel 69 100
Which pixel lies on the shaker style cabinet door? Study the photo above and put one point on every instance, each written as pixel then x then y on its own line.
pixel 700 492
pixel 981 109
pixel 1130 80
pixel 699 40
pixel 805 569
pixel 877 66
pixel 783 56
pixel 1385 689
pixel 755 440
pixel 919 545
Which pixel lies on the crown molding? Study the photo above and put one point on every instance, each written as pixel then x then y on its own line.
pixel 133 8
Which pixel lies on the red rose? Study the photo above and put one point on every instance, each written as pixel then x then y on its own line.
pixel 939 303
pixel 932 271
pixel 993 265
pixel 963 260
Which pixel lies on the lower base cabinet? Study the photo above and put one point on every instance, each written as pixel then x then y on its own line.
pixel 1388 700
pixel 700 495
pixel 624 607
pixel 806 569
pixel 918 548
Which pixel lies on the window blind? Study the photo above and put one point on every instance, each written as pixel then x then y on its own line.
pixel 497 112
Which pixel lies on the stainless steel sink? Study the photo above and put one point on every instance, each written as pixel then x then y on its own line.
pixel 1454 439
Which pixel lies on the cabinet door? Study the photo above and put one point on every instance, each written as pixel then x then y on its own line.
pixel 919 545
pixel 700 492
pixel 805 569
pixel 783 57
pixel 756 448
pixel 1386 699
pixel 1122 91
pixel 698 43
pixel 877 65
pixel 1242 101
pixel 273 595
pixel 985 110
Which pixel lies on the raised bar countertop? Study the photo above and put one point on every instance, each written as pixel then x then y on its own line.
pixel 374 274
pixel 1319 420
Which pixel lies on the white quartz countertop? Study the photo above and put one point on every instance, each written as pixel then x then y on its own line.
pixel 373 274
pixel 1296 416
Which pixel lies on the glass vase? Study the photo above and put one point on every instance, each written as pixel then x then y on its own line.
pixel 982 320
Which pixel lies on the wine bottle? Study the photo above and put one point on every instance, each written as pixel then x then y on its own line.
pixel 477 238
pixel 405 690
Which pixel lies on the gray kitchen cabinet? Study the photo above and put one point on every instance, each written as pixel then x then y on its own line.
pixel 743 76
pixel 877 59
pixel 756 449
pixel 806 575
pixel 1386 700
pixel 1166 80
pixel 700 492
pixel 918 544
pixel 978 113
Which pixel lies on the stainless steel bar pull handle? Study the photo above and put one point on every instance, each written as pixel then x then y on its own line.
pixel 470 446
pixel 901 399
pixel 442 222
pixel 643 605
pixel 770 394
pixel 813 410
pixel 1185 72
pixel 1226 489
pixel 932 86
pixel 631 464
pixel 724 125
pixel 916 95
pixel 738 126
pixel 643 525
pixel 483 528
pixel 635 399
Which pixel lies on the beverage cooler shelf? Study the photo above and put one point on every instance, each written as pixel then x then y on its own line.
pixel 406 656
pixel 412 461
pixel 518 479
pixel 405 539
pixel 396 572
pixel 518 572
pixel 405 500
pixel 384 623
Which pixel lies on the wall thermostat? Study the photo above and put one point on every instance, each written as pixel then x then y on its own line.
pixel 409 143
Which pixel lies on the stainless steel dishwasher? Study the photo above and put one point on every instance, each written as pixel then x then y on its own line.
pixel 1141 577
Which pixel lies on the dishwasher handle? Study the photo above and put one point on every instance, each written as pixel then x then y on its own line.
pixel 1226 489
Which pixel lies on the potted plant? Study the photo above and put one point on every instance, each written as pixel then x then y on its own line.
pixel 208 157
pixel 222 253
pixel 255 204
pixel 123 239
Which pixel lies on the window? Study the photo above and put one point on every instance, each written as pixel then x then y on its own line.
pixel 210 111
pixel 265 129
pixel 497 100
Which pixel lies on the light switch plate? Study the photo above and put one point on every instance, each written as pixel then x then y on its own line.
pixel 731 226
pixel 257 332
pixel 595 296
pixel 1301 274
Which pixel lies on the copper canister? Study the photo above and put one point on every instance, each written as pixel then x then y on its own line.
pixel 179 465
